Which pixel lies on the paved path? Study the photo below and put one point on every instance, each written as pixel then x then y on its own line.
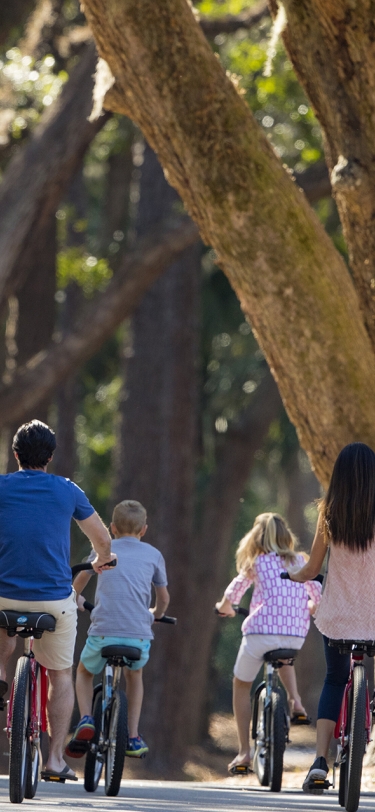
pixel 163 796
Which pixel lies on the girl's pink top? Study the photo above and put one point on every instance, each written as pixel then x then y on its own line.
pixel 347 608
pixel 277 606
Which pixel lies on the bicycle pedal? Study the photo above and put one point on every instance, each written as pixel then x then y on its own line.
pixel 58 779
pixel 241 769
pixel 318 785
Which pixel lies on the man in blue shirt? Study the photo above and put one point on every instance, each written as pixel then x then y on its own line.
pixel 36 509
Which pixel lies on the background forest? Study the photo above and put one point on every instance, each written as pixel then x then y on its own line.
pixel 159 391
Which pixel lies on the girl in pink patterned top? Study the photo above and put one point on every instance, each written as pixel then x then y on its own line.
pixel 279 616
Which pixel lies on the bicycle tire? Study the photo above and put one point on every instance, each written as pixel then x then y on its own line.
pixel 94 766
pixel 32 774
pixel 342 783
pixel 19 750
pixel 118 740
pixel 261 753
pixel 356 739
pixel 277 742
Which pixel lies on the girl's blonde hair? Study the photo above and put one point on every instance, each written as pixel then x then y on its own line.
pixel 269 534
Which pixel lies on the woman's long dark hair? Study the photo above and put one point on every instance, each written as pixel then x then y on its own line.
pixel 348 510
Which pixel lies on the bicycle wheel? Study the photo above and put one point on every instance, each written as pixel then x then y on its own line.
pixel 277 742
pixel 342 783
pixel 19 745
pixel 261 753
pixel 94 761
pixel 356 739
pixel 117 738
pixel 32 773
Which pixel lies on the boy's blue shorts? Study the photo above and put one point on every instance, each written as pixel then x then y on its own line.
pixel 93 661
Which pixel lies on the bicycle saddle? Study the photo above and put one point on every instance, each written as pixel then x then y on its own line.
pixel 346 646
pixel 118 652
pixel 280 654
pixel 26 624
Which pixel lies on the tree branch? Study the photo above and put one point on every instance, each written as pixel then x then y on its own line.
pixel 37 176
pixel 229 23
pixel 39 377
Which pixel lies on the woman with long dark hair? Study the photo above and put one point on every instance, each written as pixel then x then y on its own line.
pixel 346 526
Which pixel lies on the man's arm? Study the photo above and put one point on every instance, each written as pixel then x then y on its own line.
pixel 98 534
pixel 161 601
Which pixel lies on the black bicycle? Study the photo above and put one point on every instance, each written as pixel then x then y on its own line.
pixel 110 711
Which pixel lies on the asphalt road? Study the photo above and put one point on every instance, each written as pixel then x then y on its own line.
pixel 163 796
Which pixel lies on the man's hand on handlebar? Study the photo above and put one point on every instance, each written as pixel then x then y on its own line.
pixel 101 563
pixel 225 608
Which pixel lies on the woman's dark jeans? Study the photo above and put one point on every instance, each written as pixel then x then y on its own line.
pixel 338 667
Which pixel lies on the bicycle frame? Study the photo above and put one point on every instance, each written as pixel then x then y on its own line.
pixel 112 674
pixel 38 703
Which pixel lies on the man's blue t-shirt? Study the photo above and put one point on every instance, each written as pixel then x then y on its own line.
pixel 36 509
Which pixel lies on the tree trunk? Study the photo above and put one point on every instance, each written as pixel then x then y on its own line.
pixel 36 313
pixel 289 278
pixel 212 543
pixel 331 46
pixel 158 456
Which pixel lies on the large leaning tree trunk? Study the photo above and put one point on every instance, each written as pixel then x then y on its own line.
pixel 291 282
pixel 331 46
pixel 158 457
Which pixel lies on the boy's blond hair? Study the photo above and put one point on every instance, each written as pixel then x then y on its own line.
pixel 129 517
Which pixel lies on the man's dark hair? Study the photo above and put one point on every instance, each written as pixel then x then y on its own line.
pixel 34 444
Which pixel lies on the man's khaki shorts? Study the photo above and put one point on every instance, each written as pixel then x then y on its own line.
pixel 54 650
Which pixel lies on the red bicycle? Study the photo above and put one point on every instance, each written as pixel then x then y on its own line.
pixel 26 715
pixel 353 728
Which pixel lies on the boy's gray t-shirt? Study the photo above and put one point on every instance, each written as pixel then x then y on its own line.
pixel 123 595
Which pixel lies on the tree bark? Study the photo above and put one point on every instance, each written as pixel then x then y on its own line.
pixel 331 46
pixel 290 280
pixel 37 176
pixel 96 322
pixel 158 457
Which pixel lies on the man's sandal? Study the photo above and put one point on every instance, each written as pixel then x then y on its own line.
pixel 65 775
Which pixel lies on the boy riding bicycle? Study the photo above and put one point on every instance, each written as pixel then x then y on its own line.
pixel 121 617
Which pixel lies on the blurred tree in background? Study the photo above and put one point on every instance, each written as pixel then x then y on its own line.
pixel 142 359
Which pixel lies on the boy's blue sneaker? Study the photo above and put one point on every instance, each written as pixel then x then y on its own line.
pixel 84 732
pixel 137 747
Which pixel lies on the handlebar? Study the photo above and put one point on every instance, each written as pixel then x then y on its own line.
pixel 165 619
pixel 87 565
pixel 239 610
pixel 286 577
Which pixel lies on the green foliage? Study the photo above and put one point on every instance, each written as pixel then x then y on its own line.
pixel 29 87
pixel 89 272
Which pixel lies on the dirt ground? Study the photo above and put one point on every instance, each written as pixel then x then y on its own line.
pixel 211 763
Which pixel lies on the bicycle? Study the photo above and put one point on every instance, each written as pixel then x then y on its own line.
pixel 270 722
pixel 109 709
pixel 353 727
pixel 26 713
